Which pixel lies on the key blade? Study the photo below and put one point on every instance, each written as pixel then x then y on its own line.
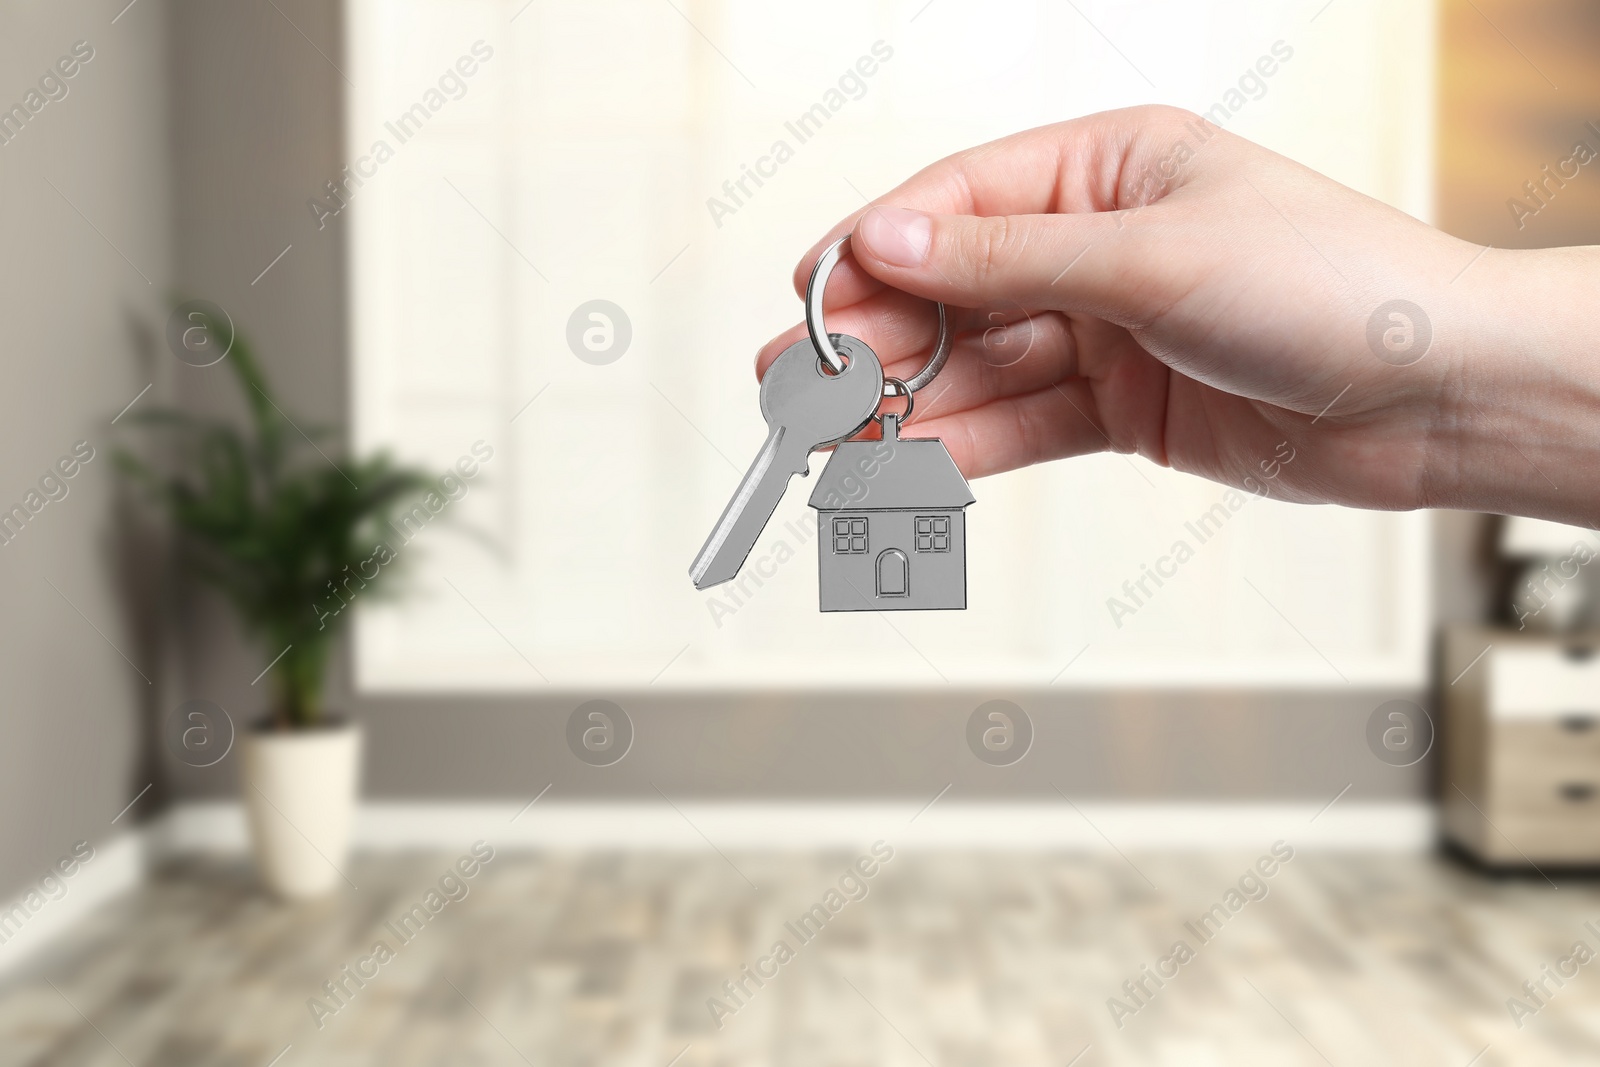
pixel 747 514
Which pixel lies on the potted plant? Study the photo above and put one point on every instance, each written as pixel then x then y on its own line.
pixel 279 527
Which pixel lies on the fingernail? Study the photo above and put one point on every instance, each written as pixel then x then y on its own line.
pixel 897 235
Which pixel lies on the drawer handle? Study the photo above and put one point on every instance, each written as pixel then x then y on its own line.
pixel 1577 722
pixel 1576 792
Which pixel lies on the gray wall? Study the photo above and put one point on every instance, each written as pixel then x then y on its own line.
pixel 256 119
pixel 257 133
pixel 73 752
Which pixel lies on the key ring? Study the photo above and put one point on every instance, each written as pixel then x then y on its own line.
pixel 824 344
pixel 891 388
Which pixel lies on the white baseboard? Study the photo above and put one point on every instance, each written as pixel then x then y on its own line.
pixel 117 866
pixel 385 827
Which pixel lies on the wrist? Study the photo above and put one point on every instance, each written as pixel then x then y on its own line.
pixel 1521 406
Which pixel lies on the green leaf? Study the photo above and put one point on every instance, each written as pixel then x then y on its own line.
pixel 276 526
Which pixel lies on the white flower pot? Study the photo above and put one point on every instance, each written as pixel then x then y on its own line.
pixel 300 791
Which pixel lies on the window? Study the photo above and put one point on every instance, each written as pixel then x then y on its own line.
pixel 933 533
pixel 849 536
pixel 620 159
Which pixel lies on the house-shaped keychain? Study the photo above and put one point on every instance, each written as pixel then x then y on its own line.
pixel 891 525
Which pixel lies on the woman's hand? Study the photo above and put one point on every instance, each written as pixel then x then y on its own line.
pixel 1143 281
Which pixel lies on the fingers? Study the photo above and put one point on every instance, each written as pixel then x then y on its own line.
pixel 1101 163
pixel 1000 361
pixel 1000 378
pixel 892 323
pixel 1099 265
pixel 1049 423
pixel 1068 166
pixel 1010 355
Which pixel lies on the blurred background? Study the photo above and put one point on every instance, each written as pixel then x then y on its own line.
pixel 376 370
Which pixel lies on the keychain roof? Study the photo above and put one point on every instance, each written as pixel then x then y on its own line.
pixel 902 473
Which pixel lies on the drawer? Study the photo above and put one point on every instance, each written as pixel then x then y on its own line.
pixel 1544 680
pixel 1547 739
pixel 1545 767
pixel 1559 796
pixel 1542 840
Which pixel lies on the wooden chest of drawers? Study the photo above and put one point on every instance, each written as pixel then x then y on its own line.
pixel 1520 773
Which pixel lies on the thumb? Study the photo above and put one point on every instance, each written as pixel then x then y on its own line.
pixel 1097 262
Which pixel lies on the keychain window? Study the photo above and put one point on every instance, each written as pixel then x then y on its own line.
pixel 933 533
pixel 849 535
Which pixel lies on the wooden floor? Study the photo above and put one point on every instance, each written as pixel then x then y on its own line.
pixel 949 959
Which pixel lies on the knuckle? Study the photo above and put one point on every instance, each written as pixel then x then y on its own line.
pixel 993 244
pixel 1026 429
pixel 1157 118
pixel 1170 115
pixel 971 441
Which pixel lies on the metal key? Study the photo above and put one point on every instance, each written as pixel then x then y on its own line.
pixel 806 408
